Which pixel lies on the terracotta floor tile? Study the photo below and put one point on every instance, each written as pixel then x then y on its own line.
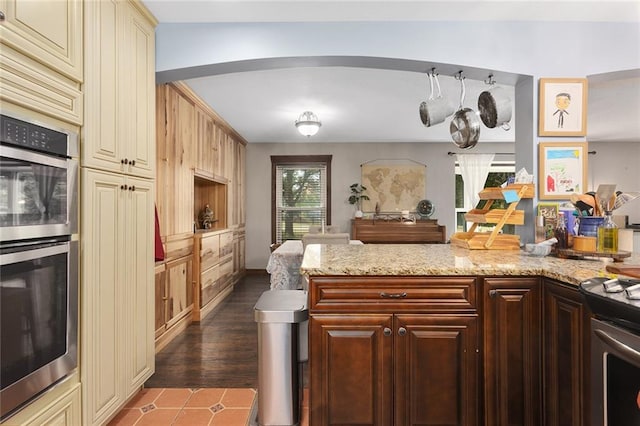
pixel 126 417
pixel 193 417
pixel 158 417
pixel 144 397
pixel 205 398
pixel 173 398
pixel 231 417
pixel 238 398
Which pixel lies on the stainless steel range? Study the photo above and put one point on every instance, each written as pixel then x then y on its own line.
pixel 615 350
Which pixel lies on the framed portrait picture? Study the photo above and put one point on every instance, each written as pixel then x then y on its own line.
pixel 562 107
pixel 562 169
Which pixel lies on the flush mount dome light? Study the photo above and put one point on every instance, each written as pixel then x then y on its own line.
pixel 308 124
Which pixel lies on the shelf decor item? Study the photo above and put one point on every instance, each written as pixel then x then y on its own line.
pixel 356 197
pixel 495 240
pixel 562 169
pixel 562 107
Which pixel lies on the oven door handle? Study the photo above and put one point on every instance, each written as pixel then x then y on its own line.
pixel 624 350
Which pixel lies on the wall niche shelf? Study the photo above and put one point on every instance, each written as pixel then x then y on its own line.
pixel 211 191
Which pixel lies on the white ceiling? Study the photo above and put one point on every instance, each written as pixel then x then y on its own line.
pixel 355 104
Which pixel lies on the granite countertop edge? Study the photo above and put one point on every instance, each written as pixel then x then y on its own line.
pixel 446 260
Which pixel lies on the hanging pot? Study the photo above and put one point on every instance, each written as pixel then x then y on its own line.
pixel 436 109
pixel 465 125
pixel 495 108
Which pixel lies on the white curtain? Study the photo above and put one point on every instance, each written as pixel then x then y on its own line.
pixel 474 169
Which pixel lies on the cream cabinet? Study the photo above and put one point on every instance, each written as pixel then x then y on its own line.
pixel 117 206
pixel 41 57
pixel 119 89
pixel 59 406
pixel 117 292
pixel 49 32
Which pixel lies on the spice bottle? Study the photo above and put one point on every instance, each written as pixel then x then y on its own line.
pixel 561 233
pixel 608 235
pixel 540 231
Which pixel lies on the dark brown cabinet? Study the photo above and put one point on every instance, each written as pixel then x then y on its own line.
pixel 394 231
pixel 567 366
pixel 512 351
pixel 393 351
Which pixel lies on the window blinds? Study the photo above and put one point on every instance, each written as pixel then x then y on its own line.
pixel 301 199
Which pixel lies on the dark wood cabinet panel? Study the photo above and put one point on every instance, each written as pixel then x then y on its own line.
pixel 436 363
pixel 567 366
pixel 351 370
pixel 512 351
pixel 394 231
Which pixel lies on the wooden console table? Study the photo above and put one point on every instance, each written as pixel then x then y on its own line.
pixel 393 231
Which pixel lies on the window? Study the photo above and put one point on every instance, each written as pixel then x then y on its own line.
pixel 499 173
pixel 301 188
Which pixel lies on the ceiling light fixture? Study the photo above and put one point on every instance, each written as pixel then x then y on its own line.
pixel 308 124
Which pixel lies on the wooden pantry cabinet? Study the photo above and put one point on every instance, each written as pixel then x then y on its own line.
pixel 117 206
pixel 393 350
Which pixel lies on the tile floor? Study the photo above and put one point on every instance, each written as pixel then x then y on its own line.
pixel 192 407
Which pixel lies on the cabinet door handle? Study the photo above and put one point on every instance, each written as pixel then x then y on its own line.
pixel 493 293
pixel 393 295
pixel 132 162
pixel 132 188
pixel 1 16
pixel 123 187
pixel 124 161
pixel 402 331
pixel 386 331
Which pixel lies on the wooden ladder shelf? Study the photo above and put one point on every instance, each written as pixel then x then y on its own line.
pixel 494 239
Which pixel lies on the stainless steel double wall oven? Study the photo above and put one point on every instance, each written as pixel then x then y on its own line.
pixel 38 259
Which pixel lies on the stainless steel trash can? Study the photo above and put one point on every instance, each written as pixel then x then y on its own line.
pixel 282 317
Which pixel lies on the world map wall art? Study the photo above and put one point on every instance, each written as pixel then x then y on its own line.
pixel 394 187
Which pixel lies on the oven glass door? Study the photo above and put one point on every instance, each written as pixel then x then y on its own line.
pixel 38 319
pixel 616 384
pixel 37 195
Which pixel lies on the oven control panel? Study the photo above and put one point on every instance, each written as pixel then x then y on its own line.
pixel 32 136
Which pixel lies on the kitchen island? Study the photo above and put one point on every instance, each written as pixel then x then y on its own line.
pixel 437 334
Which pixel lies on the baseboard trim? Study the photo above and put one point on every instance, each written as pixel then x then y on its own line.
pixel 257 272
pixel 206 310
pixel 173 332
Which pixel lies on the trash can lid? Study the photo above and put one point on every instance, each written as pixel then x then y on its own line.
pixel 286 306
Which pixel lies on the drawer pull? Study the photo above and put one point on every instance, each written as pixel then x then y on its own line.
pixel 209 252
pixel 393 295
pixel 386 331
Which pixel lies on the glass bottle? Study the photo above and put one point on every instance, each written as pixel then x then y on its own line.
pixel 608 235
pixel 561 233
pixel 540 235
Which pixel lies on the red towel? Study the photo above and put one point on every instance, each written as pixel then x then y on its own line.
pixel 159 248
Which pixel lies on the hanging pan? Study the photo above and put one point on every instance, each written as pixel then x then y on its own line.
pixel 465 125
pixel 435 109
pixel 494 106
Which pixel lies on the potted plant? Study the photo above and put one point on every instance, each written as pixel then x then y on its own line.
pixel 357 195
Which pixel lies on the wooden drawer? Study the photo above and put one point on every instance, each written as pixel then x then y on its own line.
pixel 209 251
pixel 226 243
pixel 393 294
pixel 209 277
pixel 226 268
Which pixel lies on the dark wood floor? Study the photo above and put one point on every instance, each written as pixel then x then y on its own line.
pixel 221 351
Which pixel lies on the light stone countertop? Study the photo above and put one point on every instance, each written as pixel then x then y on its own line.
pixel 445 259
